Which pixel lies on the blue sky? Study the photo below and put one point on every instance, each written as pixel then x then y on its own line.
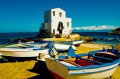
pixel 27 15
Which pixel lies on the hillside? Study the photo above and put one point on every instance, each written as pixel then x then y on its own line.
pixel 116 31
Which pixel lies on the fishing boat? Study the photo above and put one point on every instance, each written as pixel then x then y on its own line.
pixel 98 64
pixel 77 43
pixel 29 52
pixel 20 53
pixel 59 46
pixel 32 43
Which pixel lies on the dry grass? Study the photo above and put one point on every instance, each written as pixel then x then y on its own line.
pixel 87 47
pixel 20 70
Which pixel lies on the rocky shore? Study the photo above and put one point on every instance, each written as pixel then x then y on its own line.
pixel 72 37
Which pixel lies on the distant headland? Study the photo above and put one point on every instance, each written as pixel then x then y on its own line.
pixel 116 31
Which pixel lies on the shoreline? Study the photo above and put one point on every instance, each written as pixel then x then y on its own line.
pixel 76 36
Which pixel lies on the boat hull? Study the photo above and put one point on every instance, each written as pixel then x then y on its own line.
pixel 94 76
pixel 63 47
pixel 62 72
pixel 77 43
pixel 22 53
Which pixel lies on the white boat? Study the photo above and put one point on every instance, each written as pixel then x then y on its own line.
pixel 17 53
pixel 28 44
pixel 77 43
pixel 98 64
pixel 63 47
pixel 59 46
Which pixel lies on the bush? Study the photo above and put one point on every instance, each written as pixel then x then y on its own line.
pixel 58 35
pixel 87 38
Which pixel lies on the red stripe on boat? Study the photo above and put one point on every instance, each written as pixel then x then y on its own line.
pixel 56 76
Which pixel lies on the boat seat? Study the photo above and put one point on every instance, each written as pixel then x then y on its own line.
pixel 68 62
pixel 92 60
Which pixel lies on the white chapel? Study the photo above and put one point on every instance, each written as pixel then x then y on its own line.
pixel 56 23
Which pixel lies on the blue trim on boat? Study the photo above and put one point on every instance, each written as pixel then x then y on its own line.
pixel 105 50
pixel 49 44
pixel 71 52
pixel 91 72
pixel 35 49
pixel 80 55
pixel 50 49
pixel 94 52
pixel 62 57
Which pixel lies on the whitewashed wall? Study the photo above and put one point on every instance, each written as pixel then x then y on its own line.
pixel 51 22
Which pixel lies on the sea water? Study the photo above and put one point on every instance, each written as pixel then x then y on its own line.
pixel 5 38
pixel 102 37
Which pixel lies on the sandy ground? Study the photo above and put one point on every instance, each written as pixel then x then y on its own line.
pixel 37 70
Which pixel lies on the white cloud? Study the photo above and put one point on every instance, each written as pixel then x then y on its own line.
pixel 102 27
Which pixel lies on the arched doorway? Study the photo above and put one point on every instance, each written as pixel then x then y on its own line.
pixel 60 27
